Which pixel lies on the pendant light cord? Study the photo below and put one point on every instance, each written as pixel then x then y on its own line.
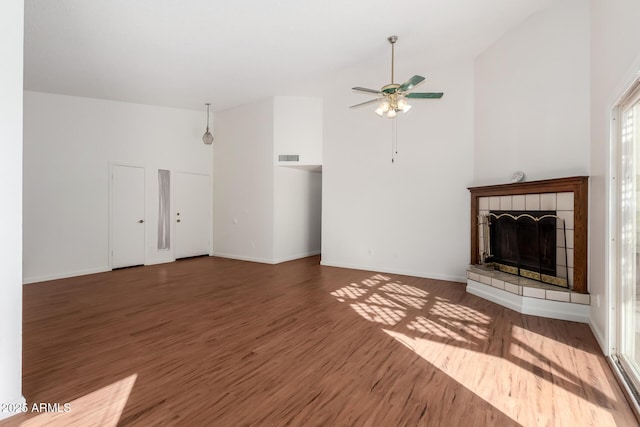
pixel 208 117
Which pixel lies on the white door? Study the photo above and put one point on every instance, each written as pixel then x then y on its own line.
pixel 127 216
pixel 193 214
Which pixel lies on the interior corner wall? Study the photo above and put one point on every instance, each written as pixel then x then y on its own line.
pixel 11 32
pixel 297 215
pixel 411 216
pixel 243 183
pixel 297 129
pixel 615 61
pixel 70 144
pixel 532 96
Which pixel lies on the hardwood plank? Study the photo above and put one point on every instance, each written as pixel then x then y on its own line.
pixel 212 341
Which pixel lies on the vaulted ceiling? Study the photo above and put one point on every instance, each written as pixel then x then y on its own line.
pixel 183 53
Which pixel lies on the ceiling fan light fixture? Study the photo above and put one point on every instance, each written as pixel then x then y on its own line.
pixel 383 108
pixel 394 96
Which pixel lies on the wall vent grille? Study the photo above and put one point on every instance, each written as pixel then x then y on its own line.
pixel 289 158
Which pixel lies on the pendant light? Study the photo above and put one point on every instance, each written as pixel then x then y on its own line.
pixel 207 138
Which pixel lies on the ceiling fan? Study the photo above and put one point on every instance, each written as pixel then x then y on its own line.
pixel 393 97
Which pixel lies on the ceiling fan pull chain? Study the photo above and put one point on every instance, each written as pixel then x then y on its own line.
pixel 395 122
pixel 394 140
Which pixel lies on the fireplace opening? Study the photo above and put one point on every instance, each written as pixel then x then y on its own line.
pixel 524 243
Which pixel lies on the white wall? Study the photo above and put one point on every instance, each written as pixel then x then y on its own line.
pixel 297 215
pixel 264 212
pixel 297 128
pixel 615 58
pixel 410 217
pixel 69 146
pixel 243 182
pixel 532 98
pixel 11 33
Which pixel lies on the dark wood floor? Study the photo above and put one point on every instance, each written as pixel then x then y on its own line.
pixel 212 341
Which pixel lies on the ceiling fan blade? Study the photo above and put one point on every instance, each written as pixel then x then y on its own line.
pixel 364 89
pixel 425 95
pixel 367 103
pixel 411 83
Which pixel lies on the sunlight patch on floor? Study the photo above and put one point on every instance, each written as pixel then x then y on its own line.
pixel 529 346
pixel 524 396
pixel 380 300
pixel 525 381
pixel 102 408
pixel 377 314
pixel 349 292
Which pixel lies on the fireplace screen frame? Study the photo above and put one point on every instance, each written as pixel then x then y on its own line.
pixel 514 262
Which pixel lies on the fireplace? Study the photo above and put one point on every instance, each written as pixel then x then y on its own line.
pixel 524 243
pixel 567 198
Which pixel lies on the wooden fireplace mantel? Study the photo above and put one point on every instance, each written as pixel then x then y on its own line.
pixel 579 185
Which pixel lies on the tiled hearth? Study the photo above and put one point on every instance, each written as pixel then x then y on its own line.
pixel 567 199
pixel 527 296
pixel 524 287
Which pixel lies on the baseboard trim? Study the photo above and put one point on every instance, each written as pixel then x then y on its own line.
pixel 46 278
pixel 265 260
pixel 17 403
pixel 532 306
pixel 377 269
pixel 298 256
pixel 243 258
pixel 599 338
pixel 160 261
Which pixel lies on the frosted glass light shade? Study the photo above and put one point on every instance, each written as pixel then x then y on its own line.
pixel 207 138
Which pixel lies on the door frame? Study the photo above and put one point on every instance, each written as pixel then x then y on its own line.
pixel 613 298
pixel 173 209
pixel 112 165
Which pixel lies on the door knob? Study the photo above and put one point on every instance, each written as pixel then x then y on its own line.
pixel 140 221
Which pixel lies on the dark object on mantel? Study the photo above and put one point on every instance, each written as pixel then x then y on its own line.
pixel 578 185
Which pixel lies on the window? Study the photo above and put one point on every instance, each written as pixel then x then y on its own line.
pixel 627 214
pixel 164 231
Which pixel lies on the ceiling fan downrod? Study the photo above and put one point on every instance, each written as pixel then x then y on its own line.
pixel 392 40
